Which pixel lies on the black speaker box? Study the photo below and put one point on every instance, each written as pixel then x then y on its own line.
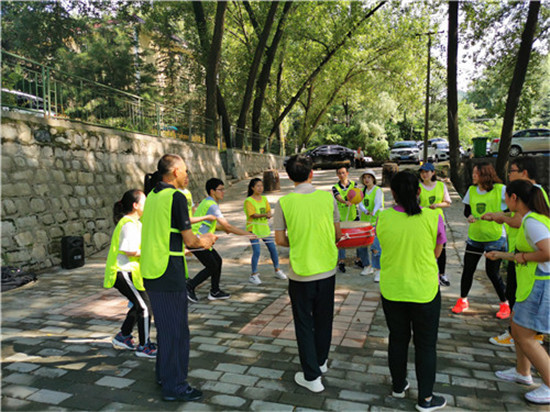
pixel 72 252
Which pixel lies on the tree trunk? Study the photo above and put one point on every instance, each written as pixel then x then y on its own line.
pixel 247 99
pixel 318 69
pixel 514 93
pixel 452 93
pixel 263 78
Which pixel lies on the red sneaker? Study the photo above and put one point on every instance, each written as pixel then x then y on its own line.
pixel 461 306
pixel 504 312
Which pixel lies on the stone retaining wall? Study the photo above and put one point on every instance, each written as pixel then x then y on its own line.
pixel 61 178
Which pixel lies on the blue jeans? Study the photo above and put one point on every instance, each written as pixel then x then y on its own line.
pixel 373 251
pixel 270 243
pixel 342 254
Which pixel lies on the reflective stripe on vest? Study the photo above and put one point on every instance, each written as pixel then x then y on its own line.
pixel 368 202
pixel 311 234
pixel 525 274
pixel 155 234
pixel 202 210
pixel 483 230
pixel 347 213
pixel 429 197
pixel 112 267
pixel 258 226
pixel 408 264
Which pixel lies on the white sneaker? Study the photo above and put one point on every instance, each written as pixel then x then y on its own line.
pixel 367 270
pixel 324 367
pixel 512 375
pixel 541 395
pixel 314 386
pixel 401 395
pixel 255 279
pixel 280 274
pixel 377 275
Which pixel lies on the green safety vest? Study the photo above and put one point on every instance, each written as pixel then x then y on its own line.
pixel 512 232
pixel 368 202
pixel 436 195
pixel 112 267
pixel 311 234
pixel 189 198
pixel 526 273
pixel 483 230
pixel 347 213
pixel 156 230
pixel 258 226
pixel 202 210
pixel 408 264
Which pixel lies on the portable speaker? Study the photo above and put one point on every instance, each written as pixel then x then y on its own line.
pixel 72 252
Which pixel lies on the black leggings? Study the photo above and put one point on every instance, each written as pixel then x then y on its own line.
pixel 491 268
pixel 212 263
pixel 442 260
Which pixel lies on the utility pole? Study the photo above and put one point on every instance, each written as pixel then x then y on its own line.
pixel 425 151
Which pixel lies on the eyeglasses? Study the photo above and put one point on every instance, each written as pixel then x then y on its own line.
pixel 513 171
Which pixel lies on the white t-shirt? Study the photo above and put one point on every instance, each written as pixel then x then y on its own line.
pixel 129 241
pixel 536 231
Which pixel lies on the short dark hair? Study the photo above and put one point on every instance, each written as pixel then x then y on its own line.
pixel 298 168
pixel 212 184
pixel 342 167
pixel 526 163
pixel 165 165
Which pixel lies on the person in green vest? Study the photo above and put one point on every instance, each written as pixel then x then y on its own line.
pixel 258 211
pixel 166 231
pixel 307 221
pixel 434 194
pixel 411 239
pixel 191 207
pixel 520 168
pixel 347 210
pixel 369 208
pixel 532 309
pixel 122 271
pixel 210 258
pixel 486 195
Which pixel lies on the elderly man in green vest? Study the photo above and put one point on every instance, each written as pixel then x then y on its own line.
pixel 307 221
pixel 166 229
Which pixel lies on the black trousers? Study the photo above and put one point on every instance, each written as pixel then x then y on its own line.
pixel 491 268
pixel 313 311
pixel 442 260
pixel 140 312
pixel 212 263
pixel 423 318
pixel 172 363
pixel 511 284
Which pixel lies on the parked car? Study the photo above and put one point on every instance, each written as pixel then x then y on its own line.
pixel 438 151
pixel 405 151
pixel 526 141
pixel 331 156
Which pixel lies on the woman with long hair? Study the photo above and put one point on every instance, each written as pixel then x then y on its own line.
pixel 485 195
pixel 258 211
pixel 531 313
pixel 122 272
pixel 411 239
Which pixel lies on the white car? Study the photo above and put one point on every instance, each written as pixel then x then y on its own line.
pixel 438 151
pixel 526 141
pixel 405 151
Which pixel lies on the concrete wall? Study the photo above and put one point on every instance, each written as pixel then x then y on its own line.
pixel 61 178
pixel 242 164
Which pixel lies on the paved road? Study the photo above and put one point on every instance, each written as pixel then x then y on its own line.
pixel 56 332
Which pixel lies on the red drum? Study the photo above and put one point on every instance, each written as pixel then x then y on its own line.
pixel 355 234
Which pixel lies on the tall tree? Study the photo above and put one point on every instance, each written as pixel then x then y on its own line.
pixel 452 92
pixel 522 62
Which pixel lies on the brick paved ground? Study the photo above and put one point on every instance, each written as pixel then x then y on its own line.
pixel 56 351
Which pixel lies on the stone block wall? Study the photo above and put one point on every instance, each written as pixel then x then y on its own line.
pixel 241 164
pixel 61 178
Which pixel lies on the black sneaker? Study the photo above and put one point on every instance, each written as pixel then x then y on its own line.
pixel 437 402
pixel 220 294
pixel 401 394
pixel 359 264
pixel 190 395
pixel 342 267
pixel 443 281
pixel 191 295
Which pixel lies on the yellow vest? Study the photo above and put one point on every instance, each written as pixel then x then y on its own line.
pixel 201 211
pixel 526 273
pixel 347 213
pixel 258 226
pixel 155 234
pixel 311 234
pixel 436 195
pixel 368 202
pixel 189 198
pixel 112 267
pixel 408 264
pixel 483 230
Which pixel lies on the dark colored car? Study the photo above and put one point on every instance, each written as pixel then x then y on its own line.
pixel 331 156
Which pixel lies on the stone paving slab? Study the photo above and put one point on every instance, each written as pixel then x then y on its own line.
pixel 56 333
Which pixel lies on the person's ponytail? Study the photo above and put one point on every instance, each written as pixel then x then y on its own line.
pixel 151 180
pixel 404 186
